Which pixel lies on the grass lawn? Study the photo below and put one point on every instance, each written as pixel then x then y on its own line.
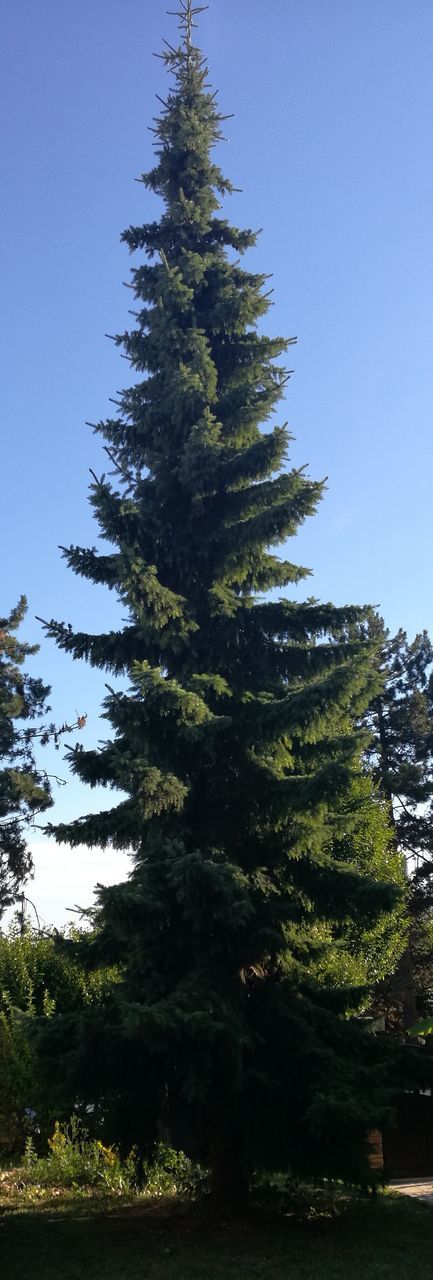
pixel 390 1239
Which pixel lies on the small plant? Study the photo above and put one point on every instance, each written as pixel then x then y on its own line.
pixel 172 1172
pixel 30 1157
pixel 75 1159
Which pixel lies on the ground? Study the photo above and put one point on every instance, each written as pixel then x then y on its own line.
pixel 387 1239
pixel 420 1188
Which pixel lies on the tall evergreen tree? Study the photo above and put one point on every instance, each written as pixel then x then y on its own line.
pixel 234 743
pixel 24 788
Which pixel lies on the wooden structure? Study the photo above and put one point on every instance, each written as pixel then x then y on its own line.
pixel 375 1158
pixel 408 1144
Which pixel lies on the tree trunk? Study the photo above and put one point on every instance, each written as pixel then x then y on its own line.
pixel 229 1176
pixel 403 989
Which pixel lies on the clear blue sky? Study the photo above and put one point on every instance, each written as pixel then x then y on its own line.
pixel 331 142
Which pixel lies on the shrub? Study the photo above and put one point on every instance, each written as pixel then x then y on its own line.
pixel 17 1075
pixel 39 976
pixel 171 1171
pixel 75 1159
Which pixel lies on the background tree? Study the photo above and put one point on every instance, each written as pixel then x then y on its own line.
pixel 357 952
pixel 401 749
pixel 234 744
pixel 400 720
pixel 24 788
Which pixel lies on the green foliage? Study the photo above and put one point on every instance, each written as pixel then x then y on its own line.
pixel 421 951
pixel 76 1159
pixel 401 747
pixel 38 979
pixel 24 789
pixel 233 743
pixel 423 1028
pixel 400 720
pixel 46 972
pixel 170 1171
pixel 360 952
pixel 18 1075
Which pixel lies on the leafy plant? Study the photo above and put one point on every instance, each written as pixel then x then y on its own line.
pixel 172 1171
pixel 76 1159
pixel 423 1028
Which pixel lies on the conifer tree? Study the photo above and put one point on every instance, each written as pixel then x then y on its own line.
pixel 400 719
pixel 233 744
pixel 24 789
pixel 400 754
pixel 363 953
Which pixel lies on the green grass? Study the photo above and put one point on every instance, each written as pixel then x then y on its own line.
pixel 64 1238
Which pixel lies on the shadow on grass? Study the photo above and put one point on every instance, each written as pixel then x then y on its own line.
pixel 103 1237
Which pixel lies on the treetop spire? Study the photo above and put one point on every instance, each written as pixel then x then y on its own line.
pixel 186 15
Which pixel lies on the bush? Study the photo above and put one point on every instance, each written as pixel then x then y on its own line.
pixel 39 976
pixel 75 1159
pixel 17 1076
pixel 48 972
pixel 172 1172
